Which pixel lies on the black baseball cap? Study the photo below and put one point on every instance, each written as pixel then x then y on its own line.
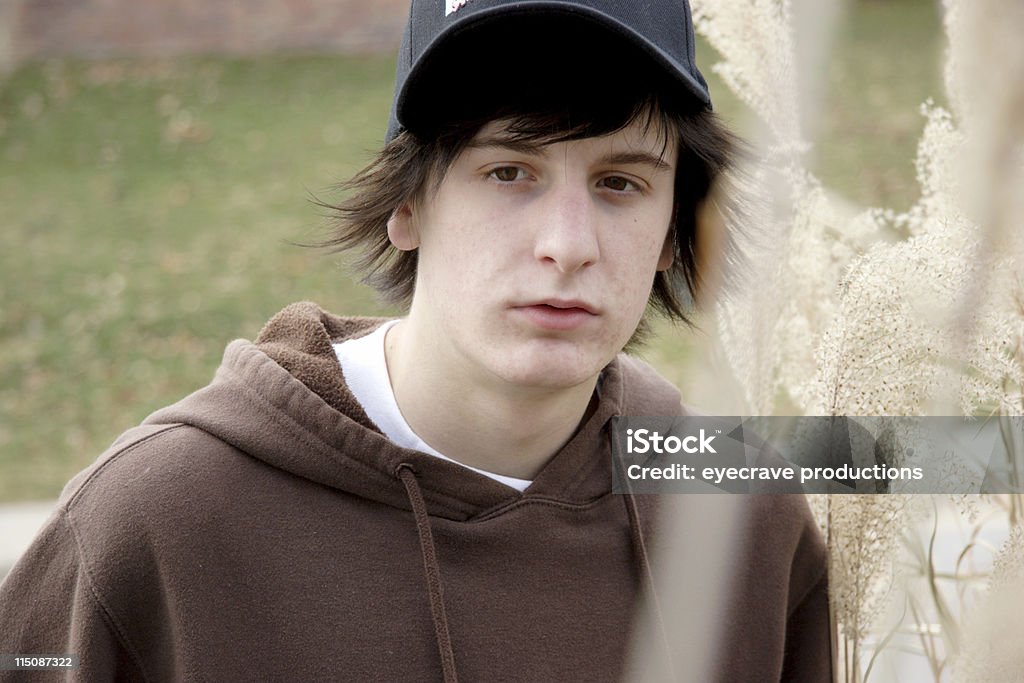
pixel 457 52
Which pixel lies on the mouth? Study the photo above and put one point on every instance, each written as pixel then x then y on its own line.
pixel 558 314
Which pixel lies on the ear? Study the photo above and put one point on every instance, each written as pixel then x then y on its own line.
pixel 401 229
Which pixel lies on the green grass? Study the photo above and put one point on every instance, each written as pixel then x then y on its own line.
pixel 147 209
pixel 887 62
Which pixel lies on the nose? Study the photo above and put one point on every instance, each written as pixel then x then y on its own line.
pixel 567 231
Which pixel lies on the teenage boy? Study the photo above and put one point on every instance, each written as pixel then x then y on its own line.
pixel 430 498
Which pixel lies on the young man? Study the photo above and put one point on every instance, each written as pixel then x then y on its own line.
pixel 430 498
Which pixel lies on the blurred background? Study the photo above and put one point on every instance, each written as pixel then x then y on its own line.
pixel 157 160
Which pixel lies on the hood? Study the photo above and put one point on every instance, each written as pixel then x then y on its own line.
pixel 283 400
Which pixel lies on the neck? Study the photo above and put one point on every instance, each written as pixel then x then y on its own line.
pixel 476 419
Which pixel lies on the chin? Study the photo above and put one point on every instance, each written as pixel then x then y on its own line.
pixel 552 366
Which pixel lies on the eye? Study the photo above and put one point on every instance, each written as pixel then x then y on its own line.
pixel 508 174
pixel 617 183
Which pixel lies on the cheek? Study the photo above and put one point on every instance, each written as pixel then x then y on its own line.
pixel 478 240
pixel 644 241
pixel 459 256
pixel 640 247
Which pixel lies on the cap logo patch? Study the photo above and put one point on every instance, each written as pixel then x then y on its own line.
pixel 452 6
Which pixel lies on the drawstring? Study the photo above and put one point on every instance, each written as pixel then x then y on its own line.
pixel 435 588
pixel 646 575
pixel 432 571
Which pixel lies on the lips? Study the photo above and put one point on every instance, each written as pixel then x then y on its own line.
pixel 557 314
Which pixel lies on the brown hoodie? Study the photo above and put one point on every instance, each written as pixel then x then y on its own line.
pixel 262 528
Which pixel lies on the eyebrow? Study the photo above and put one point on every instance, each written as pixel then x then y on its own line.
pixel 521 146
pixel 541 149
pixel 642 158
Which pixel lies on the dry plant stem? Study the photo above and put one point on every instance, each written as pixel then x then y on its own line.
pixel 920 626
pixel 947 625
pixel 948 629
pixel 963 580
pixel 688 617
pixel 1014 452
pixel 832 622
pixel 883 644
pixel 927 641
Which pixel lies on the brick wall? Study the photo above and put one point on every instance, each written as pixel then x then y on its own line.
pixel 104 28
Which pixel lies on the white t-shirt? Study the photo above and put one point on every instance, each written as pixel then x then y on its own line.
pixel 366 374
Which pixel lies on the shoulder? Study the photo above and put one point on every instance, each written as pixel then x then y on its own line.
pixel 147 460
pixel 153 481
